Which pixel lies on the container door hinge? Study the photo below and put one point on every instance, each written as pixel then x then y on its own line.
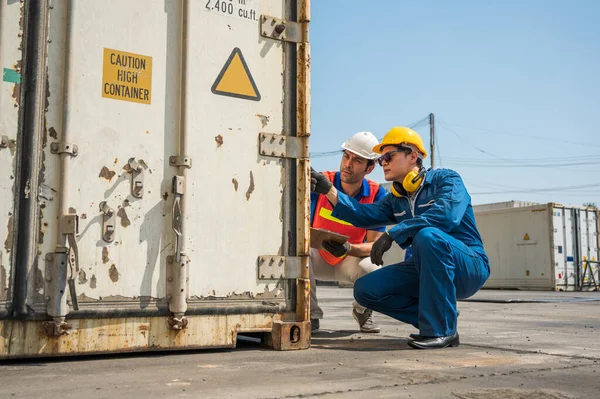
pixel 275 267
pixel 136 168
pixel 4 141
pixel 285 31
pixel 280 146
pixel 109 222
pixel 56 281
pixel 64 148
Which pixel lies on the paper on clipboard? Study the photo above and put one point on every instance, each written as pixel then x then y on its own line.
pixel 317 236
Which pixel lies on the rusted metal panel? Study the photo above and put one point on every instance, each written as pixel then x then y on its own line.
pixel 86 336
pixel 11 33
pixel 303 166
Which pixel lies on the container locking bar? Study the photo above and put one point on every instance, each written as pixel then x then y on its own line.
pixel 176 270
pixel 280 146
pixel 280 29
pixel 275 267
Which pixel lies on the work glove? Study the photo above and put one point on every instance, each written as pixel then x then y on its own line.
pixel 379 247
pixel 336 249
pixel 319 183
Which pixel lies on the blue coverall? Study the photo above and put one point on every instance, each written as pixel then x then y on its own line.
pixel 448 261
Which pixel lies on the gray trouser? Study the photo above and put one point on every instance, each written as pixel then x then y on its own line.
pixel 347 271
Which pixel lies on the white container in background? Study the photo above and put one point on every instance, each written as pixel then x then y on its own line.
pixel 539 247
pixel 502 205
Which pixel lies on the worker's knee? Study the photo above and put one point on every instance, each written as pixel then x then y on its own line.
pixel 426 238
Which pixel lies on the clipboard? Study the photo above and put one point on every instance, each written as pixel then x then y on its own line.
pixel 317 236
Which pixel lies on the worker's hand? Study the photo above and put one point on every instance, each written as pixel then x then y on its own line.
pixel 319 183
pixel 383 243
pixel 336 249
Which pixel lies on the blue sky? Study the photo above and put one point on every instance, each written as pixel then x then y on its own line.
pixel 514 86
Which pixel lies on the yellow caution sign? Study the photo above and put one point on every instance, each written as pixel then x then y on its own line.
pixel 127 76
pixel 526 238
pixel 235 79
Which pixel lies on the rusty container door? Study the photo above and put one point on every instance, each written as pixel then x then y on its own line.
pixel 174 154
pixel 11 32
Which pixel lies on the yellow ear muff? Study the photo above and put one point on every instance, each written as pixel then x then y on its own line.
pixel 412 181
pixel 395 192
pixel 410 184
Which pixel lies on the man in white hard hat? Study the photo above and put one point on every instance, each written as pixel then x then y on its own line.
pixel 349 261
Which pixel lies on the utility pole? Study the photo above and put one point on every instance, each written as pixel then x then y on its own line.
pixel 432 137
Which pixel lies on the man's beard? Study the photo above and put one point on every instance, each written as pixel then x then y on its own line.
pixel 350 179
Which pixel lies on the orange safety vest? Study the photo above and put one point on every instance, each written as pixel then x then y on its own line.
pixel 322 219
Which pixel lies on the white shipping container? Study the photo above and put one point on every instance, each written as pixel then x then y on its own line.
pixel 540 247
pixel 158 165
pixel 502 205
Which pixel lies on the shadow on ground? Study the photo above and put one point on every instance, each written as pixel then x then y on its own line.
pixel 353 341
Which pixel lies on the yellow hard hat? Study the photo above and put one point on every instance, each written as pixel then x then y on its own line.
pixel 401 135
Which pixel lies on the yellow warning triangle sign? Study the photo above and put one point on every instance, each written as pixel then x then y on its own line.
pixel 235 79
pixel 526 238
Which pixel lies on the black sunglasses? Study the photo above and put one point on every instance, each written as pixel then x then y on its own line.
pixel 387 157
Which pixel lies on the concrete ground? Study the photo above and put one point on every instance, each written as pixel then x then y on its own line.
pixel 548 349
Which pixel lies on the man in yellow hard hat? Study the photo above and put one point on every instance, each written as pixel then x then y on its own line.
pixel 432 211
pixel 349 261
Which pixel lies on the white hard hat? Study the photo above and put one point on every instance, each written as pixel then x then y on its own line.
pixel 362 144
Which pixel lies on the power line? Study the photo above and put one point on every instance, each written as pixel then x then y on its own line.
pixel 467 141
pixel 558 163
pixel 544 159
pixel 524 165
pixel 493 131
